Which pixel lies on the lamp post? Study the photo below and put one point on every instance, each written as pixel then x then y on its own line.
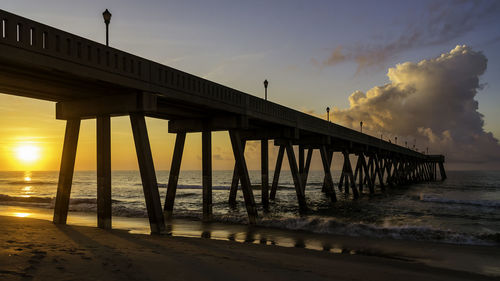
pixel 361 126
pixel 107 19
pixel 328 114
pixel 265 86
pixel 396 140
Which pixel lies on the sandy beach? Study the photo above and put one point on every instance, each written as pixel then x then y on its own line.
pixel 33 249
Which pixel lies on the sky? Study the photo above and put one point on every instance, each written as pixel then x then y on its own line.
pixel 423 71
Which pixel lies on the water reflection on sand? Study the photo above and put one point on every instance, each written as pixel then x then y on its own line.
pixel 477 259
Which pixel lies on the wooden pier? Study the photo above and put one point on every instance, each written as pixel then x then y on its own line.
pixel 88 80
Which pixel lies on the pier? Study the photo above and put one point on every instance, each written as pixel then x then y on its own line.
pixel 88 80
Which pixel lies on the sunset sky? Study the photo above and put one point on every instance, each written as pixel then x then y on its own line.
pixel 411 69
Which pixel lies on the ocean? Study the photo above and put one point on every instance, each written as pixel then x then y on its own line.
pixel 464 209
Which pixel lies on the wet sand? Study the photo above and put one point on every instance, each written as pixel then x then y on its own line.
pixel 33 249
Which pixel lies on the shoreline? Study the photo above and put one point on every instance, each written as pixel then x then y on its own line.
pixel 40 250
pixel 468 259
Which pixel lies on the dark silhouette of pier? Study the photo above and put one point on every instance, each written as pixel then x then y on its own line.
pixel 88 80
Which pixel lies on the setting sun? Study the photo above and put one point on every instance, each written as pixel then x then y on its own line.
pixel 28 153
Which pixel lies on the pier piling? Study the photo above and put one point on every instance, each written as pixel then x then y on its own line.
pixel 148 175
pixel 246 187
pixel 206 159
pixel 66 171
pixel 173 178
pixel 277 170
pixel 103 171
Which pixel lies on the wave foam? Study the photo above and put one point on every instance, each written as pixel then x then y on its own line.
pixel 481 203
pixel 330 226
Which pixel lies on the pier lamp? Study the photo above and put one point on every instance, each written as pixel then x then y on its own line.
pixel 396 140
pixel 361 126
pixel 406 144
pixel 265 86
pixel 328 114
pixel 107 19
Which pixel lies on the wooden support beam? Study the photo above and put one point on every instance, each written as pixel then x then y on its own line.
pixel 148 175
pixel 295 175
pixel 234 183
pixel 206 159
pixel 368 167
pixel 342 177
pixel 427 172
pixel 246 187
pixel 350 175
pixel 302 163
pixel 314 140
pixel 264 163
pixel 369 175
pixel 173 178
pixel 381 165
pixel 216 123
pixel 66 171
pixel 330 159
pixel 115 105
pixel 103 172
pixel 379 172
pixel 388 167
pixel 270 133
pixel 308 166
pixel 360 165
pixel 417 171
pixel 395 171
pixel 413 171
pixel 325 159
pixel 347 184
pixel 277 170
pixel 435 171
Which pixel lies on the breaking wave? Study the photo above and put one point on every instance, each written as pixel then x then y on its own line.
pixel 419 233
pixel 480 203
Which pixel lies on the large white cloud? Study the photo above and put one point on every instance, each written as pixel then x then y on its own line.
pixel 431 101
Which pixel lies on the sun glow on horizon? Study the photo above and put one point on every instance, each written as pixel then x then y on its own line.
pixel 27 153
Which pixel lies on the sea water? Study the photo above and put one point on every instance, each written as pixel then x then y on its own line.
pixel 464 209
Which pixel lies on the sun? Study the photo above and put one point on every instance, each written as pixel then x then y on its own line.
pixel 27 153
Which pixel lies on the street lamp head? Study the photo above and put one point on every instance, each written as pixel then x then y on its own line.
pixel 328 109
pixel 107 16
pixel 266 83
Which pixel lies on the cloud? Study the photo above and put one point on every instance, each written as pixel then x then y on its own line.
pixel 432 102
pixel 442 22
